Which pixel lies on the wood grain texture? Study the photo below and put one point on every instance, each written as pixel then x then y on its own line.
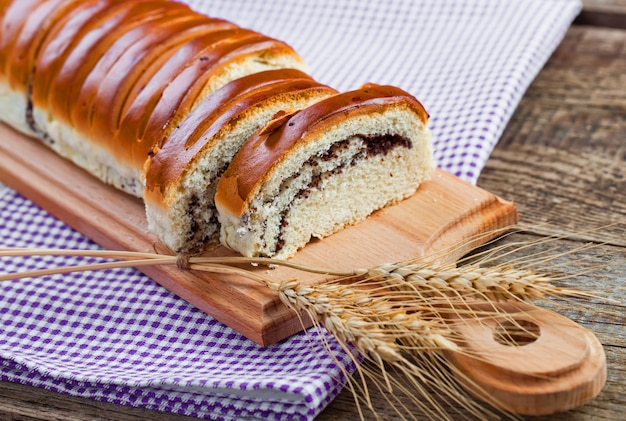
pixel 563 367
pixel 561 159
pixel 609 6
pixel 564 151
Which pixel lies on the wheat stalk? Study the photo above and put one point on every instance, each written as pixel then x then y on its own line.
pixel 393 320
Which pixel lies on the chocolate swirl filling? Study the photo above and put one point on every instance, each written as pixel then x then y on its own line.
pixel 317 169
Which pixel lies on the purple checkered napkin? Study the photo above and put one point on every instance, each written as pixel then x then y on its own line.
pixel 117 336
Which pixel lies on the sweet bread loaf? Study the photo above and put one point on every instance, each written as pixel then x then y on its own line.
pixel 315 171
pixel 157 99
pixel 100 80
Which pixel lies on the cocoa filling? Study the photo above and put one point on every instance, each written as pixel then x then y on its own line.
pixel 198 237
pixel 371 145
pixel 30 119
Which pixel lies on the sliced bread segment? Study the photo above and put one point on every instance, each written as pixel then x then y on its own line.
pixel 316 171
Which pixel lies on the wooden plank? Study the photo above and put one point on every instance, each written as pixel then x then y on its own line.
pixel 601 19
pixel 28 403
pixel 563 156
pixel 563 159
pixel 444 212
pixel 606 6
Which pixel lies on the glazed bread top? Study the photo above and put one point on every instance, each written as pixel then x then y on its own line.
pixel 173 155
pixel 121 72
pixel 25 26
pixel 269 146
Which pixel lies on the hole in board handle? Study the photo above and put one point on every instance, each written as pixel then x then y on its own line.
pixel 516 332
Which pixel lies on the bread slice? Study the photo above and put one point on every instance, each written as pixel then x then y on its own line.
pixel 182 172
pixel 319 170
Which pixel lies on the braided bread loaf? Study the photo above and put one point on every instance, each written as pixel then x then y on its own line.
pixel 157 100
pixel 100 80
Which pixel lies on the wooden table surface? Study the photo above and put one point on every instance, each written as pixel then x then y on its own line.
pixel 562 159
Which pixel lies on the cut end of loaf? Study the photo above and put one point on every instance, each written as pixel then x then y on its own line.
pixel 326 167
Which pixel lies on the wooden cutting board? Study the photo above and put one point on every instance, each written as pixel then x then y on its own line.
pixel 445 211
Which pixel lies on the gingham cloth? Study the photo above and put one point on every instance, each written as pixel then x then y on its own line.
pixel 117 336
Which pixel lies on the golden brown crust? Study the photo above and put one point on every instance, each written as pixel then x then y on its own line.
pixel 94 51
pixel 65 32
pixel 265 149
pixel 14 16
pixel 149 119
pixel 170 159
pixel 105 109
pixel 129 45
pixel 119 72
pixel 172 77
pixel 194 79
pixel 39 20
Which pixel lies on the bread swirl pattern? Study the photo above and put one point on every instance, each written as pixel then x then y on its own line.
pixel 156 100
pixel 318 170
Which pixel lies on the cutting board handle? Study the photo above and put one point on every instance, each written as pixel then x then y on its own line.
pixel 530 361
